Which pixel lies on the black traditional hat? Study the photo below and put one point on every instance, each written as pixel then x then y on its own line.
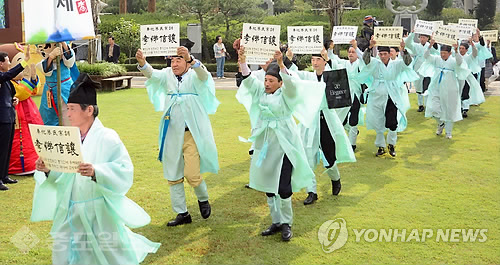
pixel 274 70
pixel 446 48
pixel 384 49
pixel 83 90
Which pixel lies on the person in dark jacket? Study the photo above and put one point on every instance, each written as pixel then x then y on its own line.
pixel 112 51
pixel 7 113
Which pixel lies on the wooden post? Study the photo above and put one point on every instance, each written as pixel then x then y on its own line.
pixel 59 98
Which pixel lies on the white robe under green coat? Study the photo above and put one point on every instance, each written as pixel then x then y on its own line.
pixel 275 133
pixel 444 98
pixel 310 135
pixel 91 219
pixel 388 82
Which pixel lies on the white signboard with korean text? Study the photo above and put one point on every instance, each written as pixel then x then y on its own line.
pixel 344 34
pixel 424 27
pixel 446 35
pixel 491 35
pixel 305 39
pixel 468 22
pixel 261 41
pixel 388 36
pixel 160 39
pixel 58 146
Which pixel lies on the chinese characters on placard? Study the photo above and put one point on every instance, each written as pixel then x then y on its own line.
pixel 160 39
pixel 58 146
pixel 305 40
pixel 260 42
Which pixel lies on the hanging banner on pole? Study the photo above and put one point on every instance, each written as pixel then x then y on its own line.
pixel 58 146
pixel 260 41
pixel 160 39
pixel 446 35
pixel 344 34
pixel 63 20
pixel 388 36
pixel 305 39
pixel 424 27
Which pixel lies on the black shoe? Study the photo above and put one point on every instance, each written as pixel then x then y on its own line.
pixel 182 218
pixel 286 232
pixel 420 108
pixel 3 187
pixel 205 209
pixel 353 147
pixel 336 186
pixel 8 180
pixel 311 198
pixel 250 152
pixel 247 186
pixel 392 150
pixel 271 230
pixel 380 152
pixel 464 114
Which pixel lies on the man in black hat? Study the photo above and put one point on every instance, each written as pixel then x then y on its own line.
pixel 417 49
pixel 91 203
pixel 388 100
pixel 7 113
pixel 327 135
pixel 185 93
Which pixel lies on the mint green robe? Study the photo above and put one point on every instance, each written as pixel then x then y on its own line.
pixel 310 135
pixel 275 132
pixel 188 103
pixel 91 220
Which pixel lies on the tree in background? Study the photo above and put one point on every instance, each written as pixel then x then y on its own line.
pixel 234 12
pixel 485 13
pixel 203 9
pixel 127 34
pixel 435 7
pixel 152 6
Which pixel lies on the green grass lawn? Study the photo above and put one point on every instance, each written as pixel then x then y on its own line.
pixel 434 183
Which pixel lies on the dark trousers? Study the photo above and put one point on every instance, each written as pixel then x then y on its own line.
pixel 326 141
pixel 6 138
pixel 391 115
pixel 425 84
pixel 353 116
pixel 466 90
pixel 482 79
pixel 285 185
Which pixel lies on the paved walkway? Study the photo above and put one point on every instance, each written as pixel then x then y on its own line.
pixel 230 84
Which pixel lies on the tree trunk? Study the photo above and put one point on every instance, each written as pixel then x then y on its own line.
pixel 204 44
pixel 92 44
pixel 123 6
pixel 227 27
pixel 152 6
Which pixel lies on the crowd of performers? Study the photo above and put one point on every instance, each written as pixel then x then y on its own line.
pixel 293 130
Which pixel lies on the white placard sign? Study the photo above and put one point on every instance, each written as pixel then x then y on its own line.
pixel 446 35
pixel 305 39
pixel 464 32
pixel 437 23
pixel 468 22
pixel 491 35
pixel 160 39
pixel 388 36
pixel 344 34
pixel 58 146
pixel 260 41
pixel 424 27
